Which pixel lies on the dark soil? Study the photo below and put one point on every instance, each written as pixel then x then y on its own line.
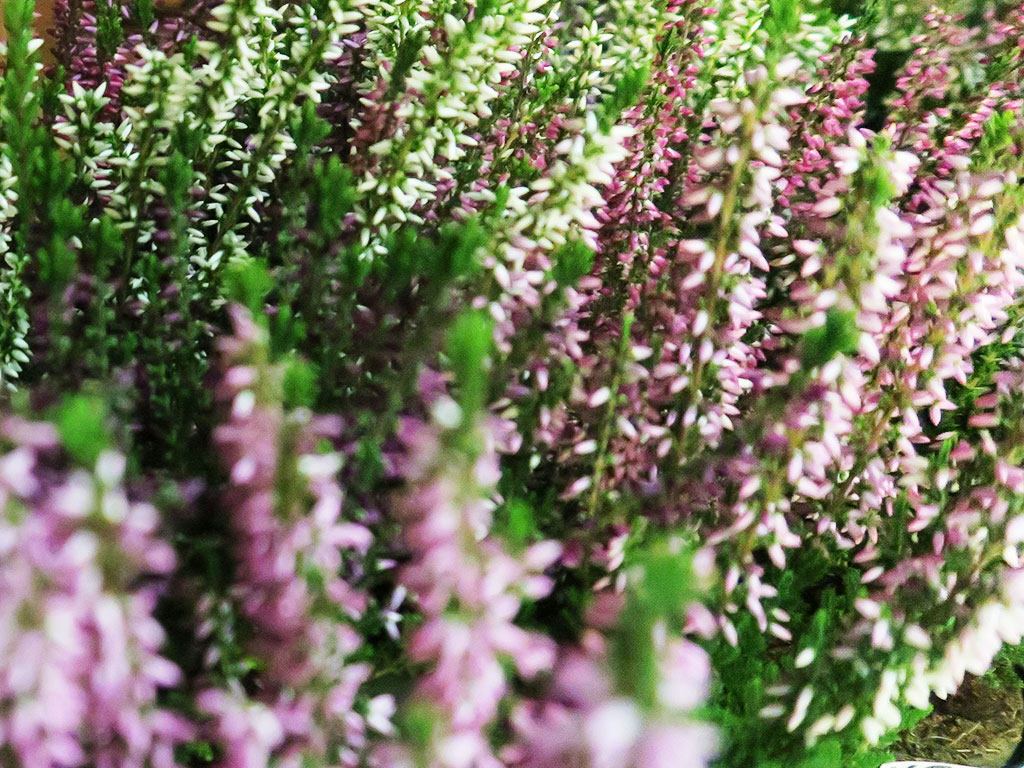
pixel 979 726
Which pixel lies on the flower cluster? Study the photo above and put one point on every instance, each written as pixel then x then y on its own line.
pixel 589 720
pixel 585 724
pixel 81 568
pixel 469 590
pixel 292 548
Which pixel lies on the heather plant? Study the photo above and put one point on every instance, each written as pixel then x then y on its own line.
pixel 505 383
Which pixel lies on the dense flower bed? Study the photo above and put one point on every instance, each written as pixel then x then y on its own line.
pixel 505 383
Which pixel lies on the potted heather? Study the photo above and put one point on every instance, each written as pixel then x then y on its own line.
pixel 505 383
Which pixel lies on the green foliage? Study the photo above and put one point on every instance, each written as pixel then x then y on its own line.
pixel 419 725
pixel 470 341
pixel 996 139
pixel 406 55
pixel 519 524
pixel 334 193
pixel 663 585
pixel 1006 669
pixel 144 12
pixel 195 753
pixel 456 256
pixel 625 95
pixel 82 421
pixel 109 32
pixel 308 129
pixel 874 182
pixel 571 262
pixel 782 20
pixel 248 283
pixel 837 336
pixel 633 655
pixel 300 384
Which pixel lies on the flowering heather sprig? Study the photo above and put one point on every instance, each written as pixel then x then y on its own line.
pixel 213 107
pixel 945 67
pixel 983 529
pixel 584 723
pixel 19 112
pixel 700 284
pixel 96 41
pixel 81 566
pixel 468 588
pixel 293 554
pixel 904 470
pixel 941 54
pixel 811 411
pixel 13 292
pixel 629 693
pixel 445 72
pixel 245 77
